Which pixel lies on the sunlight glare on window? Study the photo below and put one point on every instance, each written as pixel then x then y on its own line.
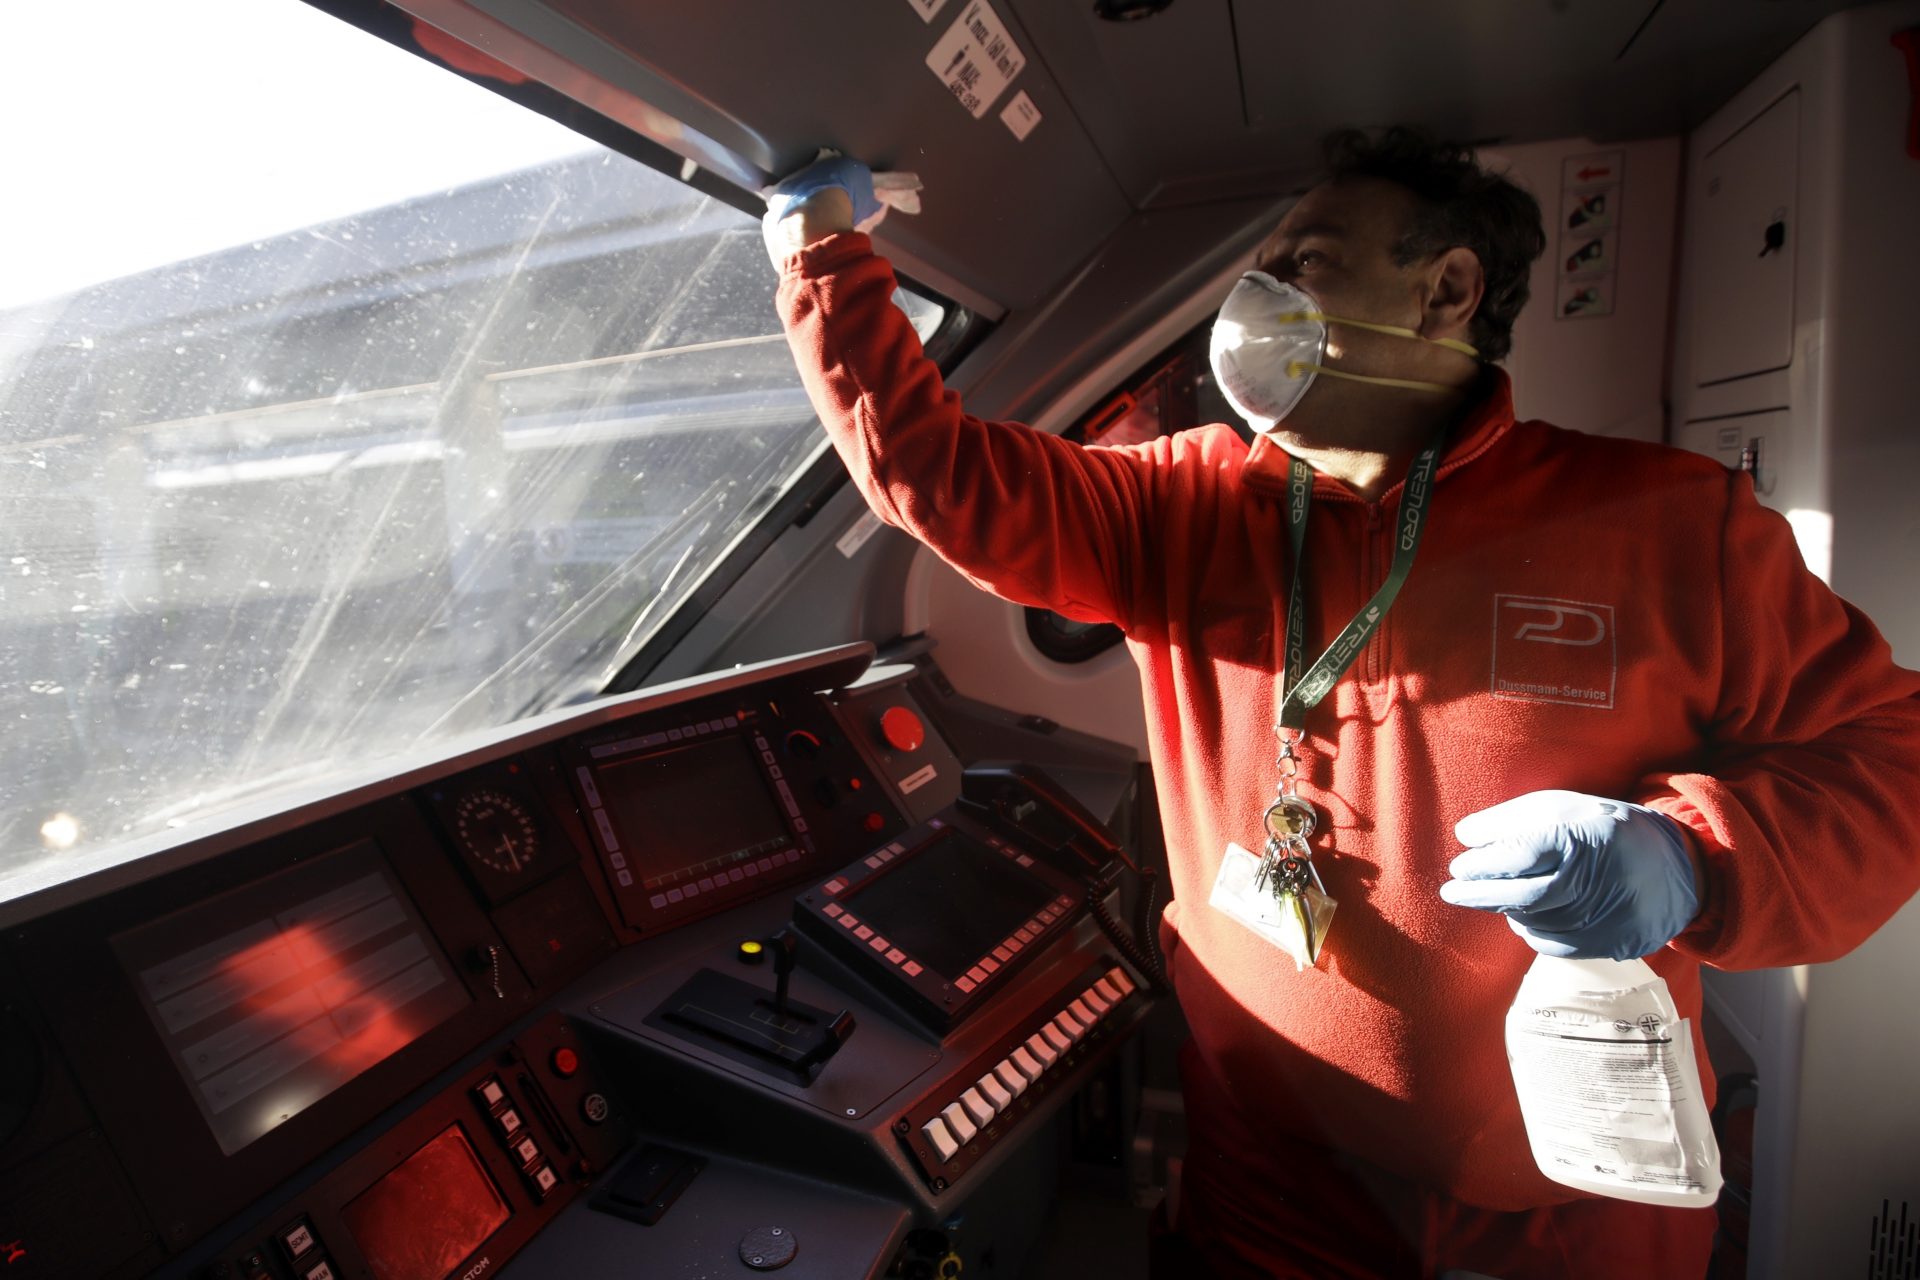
pixel 344 406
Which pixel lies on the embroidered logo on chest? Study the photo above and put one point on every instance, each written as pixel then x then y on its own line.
pixel 1547 650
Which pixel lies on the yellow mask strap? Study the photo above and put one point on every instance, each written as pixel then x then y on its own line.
pixel 1296 367
pixel 1451 344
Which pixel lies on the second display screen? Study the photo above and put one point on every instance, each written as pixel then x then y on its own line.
pixel 948 904
pixel 692 812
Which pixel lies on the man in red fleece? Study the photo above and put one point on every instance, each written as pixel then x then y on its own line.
pixel 1610 677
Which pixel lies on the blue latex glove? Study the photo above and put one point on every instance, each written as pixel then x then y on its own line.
pixel 843 172
pixel 1576 875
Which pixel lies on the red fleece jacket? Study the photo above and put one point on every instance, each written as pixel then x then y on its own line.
pixel 1600 615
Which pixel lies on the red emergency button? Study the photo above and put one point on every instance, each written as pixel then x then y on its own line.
pixel 874 822
pixel 565 1062
pixel 902 729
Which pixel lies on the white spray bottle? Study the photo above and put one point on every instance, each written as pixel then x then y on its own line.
pixel 1609 1086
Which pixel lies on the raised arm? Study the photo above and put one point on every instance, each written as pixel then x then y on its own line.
pixel 1026 515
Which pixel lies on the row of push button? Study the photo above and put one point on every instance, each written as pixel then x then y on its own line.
pixel 1012 944
pixel 706 884
pixel 876 941
pixel 301 1250
pixel 1013 1075
pixel 698 729
pixel 512 1132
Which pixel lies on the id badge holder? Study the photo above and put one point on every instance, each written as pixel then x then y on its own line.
pixel 1295 923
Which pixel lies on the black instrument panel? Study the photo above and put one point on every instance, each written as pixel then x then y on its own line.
pixel 227 1022
pixel 317 1000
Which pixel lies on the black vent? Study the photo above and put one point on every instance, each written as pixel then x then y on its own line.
pixel 1894 1253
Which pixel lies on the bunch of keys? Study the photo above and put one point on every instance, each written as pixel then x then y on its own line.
pixel 1286 869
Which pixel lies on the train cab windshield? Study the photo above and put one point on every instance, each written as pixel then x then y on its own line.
pixel 346 406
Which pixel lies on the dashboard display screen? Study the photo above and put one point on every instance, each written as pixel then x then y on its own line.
pixel 949 903
pixel 423 1219
pixel 270 997
pixel 693 812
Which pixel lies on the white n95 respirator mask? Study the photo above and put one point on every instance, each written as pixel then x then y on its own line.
pixel 1270 342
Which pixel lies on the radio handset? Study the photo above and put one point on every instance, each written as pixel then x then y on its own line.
pixel 1030 805
pixel 1034 808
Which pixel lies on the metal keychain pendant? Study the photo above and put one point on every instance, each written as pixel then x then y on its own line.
pixel 1286 865
pixel 1306 910
pixel 1290 818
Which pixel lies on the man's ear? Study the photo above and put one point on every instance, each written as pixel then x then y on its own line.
pixel 1456 283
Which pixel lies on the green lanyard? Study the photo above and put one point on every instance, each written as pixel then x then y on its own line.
pixel 1304 691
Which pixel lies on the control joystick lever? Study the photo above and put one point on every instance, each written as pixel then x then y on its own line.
pixel 826 1040
pixel 780 1032
pixel 785 945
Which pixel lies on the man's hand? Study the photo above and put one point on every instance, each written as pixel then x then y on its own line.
pixel 828 196
pixel 1576 875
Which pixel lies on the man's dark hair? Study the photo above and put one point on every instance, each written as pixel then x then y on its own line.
pixel 1457 203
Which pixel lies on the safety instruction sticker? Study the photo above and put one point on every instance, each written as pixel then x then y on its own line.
pixel 1588 212
pixel 927 8
pixel 1021 115
pixel 976 59
pixel 1591 255
pixel 1584 298
pixel 1587 242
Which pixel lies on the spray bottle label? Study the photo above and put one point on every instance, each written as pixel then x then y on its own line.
pixel 1603 1093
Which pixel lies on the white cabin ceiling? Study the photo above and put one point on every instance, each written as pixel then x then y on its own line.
pixel 1208 99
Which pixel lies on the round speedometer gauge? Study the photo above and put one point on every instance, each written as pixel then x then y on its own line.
pixel 496 830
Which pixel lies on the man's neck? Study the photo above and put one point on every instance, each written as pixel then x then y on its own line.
pixel 1369 454
pixel 1368 473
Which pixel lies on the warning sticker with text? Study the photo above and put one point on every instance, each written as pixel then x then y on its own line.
pixel 976 59
pixel 1021 115
pixel 1588 241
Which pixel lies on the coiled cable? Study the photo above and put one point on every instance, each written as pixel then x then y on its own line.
pixel 1145 960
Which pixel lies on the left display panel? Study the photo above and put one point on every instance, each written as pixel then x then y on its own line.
pixel 269 998
pixel 424 1218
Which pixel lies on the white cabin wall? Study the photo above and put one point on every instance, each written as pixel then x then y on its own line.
pixel 1821 378
pixel 985 652
pixel 1604 374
